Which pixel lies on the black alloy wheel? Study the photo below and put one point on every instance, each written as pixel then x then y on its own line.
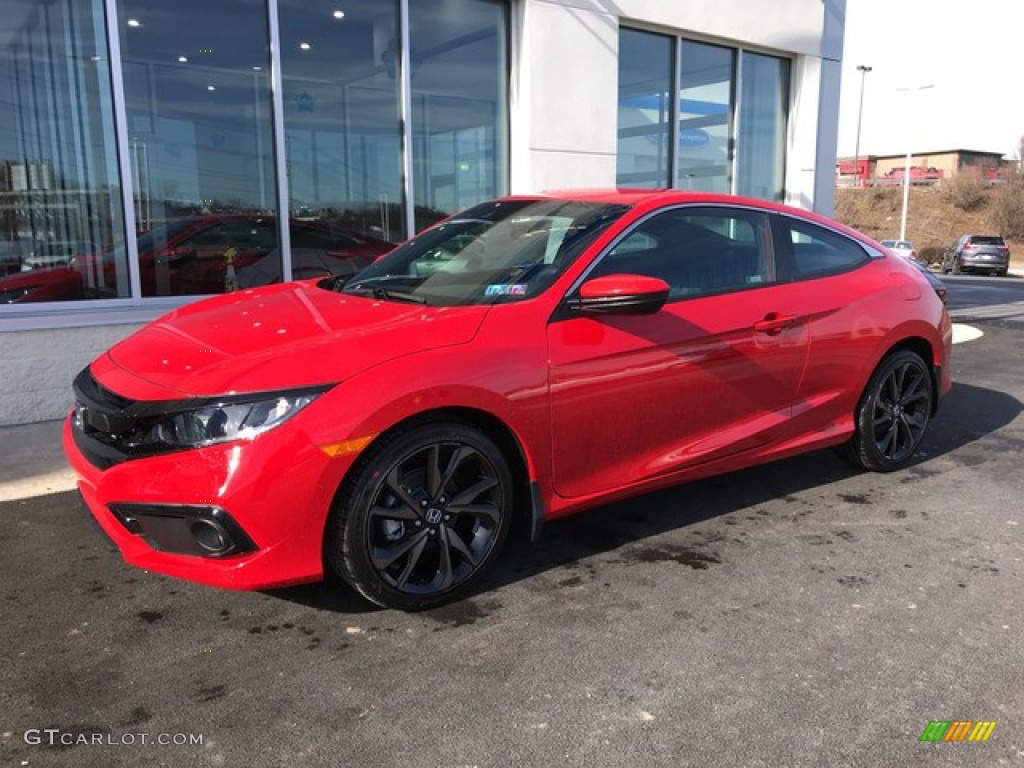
pixel 422 516
pixel 893 413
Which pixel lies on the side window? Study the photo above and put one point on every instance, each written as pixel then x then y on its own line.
pixel 636 241
pixel 697 251
pixel 210 238
pixel 818 252
pixel 313 238
pixel 248 235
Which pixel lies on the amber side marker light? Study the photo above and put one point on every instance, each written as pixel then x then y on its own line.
pixel 348 447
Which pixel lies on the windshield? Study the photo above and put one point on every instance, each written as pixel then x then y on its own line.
pixel 495 252
pixel 987 240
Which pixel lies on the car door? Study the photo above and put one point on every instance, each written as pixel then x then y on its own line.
pixel 713 373
pixel 839 292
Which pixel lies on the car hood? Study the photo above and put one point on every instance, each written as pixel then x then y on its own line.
pixel 275 338
pixel 39 276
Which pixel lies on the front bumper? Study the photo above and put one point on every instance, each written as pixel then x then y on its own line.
pixel 276 490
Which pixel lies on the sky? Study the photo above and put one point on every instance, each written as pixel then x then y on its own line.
pixel 970 51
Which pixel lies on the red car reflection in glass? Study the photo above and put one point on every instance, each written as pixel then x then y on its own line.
pixel 525 359
pixel 191 256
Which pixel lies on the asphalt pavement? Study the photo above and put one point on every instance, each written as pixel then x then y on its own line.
pixel 797 614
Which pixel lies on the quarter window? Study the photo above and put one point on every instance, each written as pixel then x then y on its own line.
pixel 818 252
pixel 697 251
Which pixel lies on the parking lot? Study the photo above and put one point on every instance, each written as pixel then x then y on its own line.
pixel 800 613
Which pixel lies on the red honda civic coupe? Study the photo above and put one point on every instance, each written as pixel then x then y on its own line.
pixel 525 359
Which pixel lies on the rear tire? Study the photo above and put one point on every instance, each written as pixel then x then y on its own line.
pixel 424 513
pixel 893 413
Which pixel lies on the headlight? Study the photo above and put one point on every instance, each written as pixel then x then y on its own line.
pixel 231 420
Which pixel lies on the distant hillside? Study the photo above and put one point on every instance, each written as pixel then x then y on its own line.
pixel 933 220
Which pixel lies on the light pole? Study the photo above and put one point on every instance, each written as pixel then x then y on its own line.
pixel 860 115
pixel 906 166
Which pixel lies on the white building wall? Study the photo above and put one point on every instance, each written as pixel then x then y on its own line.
pixel 38 367
pixel 565 102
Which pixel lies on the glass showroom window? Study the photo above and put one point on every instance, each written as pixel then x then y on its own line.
pixel 60 209
pixel 707 143
pixel 764 109
pixel 645 109
pixel 341 124
pixel 197 146
pixel 199 137
pixel 705 117
pixel 458 76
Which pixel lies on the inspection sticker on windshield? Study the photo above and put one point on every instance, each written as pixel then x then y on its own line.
pixel 502 289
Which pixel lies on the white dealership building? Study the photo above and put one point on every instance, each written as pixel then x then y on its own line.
pixel 147 147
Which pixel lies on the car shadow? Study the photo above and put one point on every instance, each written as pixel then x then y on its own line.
pixel 968 414
pixel 332 595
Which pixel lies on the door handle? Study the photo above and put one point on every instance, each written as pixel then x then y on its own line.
pixel 774 323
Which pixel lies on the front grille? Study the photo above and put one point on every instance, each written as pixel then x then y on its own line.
pixel 110 428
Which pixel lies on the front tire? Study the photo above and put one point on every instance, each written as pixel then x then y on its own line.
pixel 423 515
pixel 893 413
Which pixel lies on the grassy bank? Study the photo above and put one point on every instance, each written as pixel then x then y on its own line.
pixel 934 220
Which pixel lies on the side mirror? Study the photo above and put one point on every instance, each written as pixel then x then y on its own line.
pixel 621 294
pixel 179 253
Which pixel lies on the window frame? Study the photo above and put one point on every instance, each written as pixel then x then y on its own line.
pixel 735 106
pixel 672 152
pixel 786 256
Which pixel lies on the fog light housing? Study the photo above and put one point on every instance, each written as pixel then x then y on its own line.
pixel 183 529
pixel 210 536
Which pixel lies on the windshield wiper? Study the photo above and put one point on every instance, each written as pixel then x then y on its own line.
pixel 334 282
pixel 380 292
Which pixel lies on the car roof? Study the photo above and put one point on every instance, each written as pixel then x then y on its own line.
pixel 656 198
